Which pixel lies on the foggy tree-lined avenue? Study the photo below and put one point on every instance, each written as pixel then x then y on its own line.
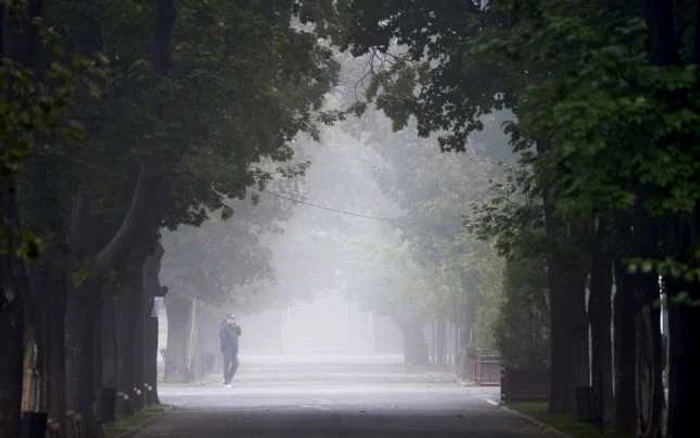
pixel 338 397
pixel 428 218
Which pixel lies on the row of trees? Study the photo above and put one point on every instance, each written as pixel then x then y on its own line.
pixel 121 119
pixel 604 96
pixel 434 272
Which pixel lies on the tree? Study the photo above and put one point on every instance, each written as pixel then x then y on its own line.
pixel 602 94
pixel 433 191
pixel 168 142
pixel 36 104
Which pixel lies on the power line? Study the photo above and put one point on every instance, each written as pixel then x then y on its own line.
pixel 333 210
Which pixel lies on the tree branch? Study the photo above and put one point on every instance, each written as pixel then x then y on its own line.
pixel 136 217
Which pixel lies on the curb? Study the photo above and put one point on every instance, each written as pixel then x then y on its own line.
pixel 545 427
pixel 146 423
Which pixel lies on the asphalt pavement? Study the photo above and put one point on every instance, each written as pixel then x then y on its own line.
pixel 335 396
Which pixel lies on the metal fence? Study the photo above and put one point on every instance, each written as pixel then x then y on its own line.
pixel 483 369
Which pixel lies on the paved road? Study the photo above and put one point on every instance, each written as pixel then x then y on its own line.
pixel 369 397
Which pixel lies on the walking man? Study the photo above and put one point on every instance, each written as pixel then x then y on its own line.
pixel 228 335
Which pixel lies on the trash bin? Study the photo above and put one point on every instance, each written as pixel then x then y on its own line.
pixel 584 404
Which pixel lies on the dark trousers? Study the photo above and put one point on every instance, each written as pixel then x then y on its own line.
pixel 230 365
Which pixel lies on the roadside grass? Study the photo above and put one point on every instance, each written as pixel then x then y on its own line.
pixel 134 422
pixel 562 423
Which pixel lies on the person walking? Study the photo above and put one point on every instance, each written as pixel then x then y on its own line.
pixel 228 335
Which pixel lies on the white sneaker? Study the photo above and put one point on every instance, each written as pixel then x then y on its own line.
pixel 227 385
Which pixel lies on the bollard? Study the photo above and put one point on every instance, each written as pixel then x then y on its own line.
pixel 33 425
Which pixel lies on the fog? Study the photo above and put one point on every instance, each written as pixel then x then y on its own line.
pixel 276 207
pixel 317 259
pixel 335 261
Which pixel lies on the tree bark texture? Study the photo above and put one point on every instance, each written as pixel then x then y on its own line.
pixel 625 351
pixel 684 327
pixel 566 277
pixel 17 306
pixel 684 391
pixel 569 334
pixel 11 338
pixel 179 312
pixel 151 289
pixel 600 314
pixel 131 333
pixel 81 337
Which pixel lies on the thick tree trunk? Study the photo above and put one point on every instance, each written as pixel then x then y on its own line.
pixel 16 313
pixel 566 279
pixel 649 386
pixel 179 312
pixel 152 289
pixel 11 339
pixel 81 337
pixel 138 340
pixel 600 314
pixel 569 334
pixel 131 335
pixel 56 364
pixel 51 283
pixel 684 391
pixel 85 302
pixel 684 326
pixel 110 348
pixel 17 300
pixel 625 351
pixel 684 356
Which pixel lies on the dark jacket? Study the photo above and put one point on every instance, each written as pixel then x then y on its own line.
pixel 228 335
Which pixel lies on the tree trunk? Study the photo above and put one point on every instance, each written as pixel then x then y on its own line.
pixel 152 289
pixel 110 347
pixel 441 342
pixel 17 308
pixel 600 313
pixel 625 351
pixel 55 346
pixel 51 282
pixel 193 348
pixel 81 337
pixel 11 339
pixel 684 326
pixel 131 334
pixel 415 349
pixel 684 391
pixel 17 300
pixel 648 384
pixel 569 334
pixel 569 328
pixel 179 311
pixel 466 366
